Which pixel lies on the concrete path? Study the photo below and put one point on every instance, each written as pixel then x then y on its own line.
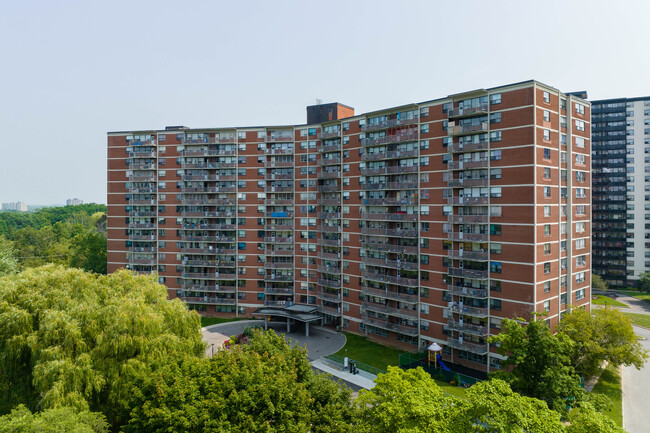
pixel 634 305
pixel 356 379
pixel 636 402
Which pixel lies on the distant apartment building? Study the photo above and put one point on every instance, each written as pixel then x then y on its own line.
pixel 73 202
pixel 428 222
pixel 621 167
pixel 18 206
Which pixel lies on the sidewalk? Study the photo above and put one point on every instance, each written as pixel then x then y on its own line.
pixel 355 379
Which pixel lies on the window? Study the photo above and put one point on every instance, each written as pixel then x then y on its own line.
pixel 547 249
pixel 547 211
pixel 580 209
pixel 495 192
pixel 495 136
pixel 580 244
pixel 547 230
pixel 424 128
pixel 580 125
pixel 581 261
pixel 547 137
pixel 424 111
pixel 547 116
pixel 580 142
pixel 495 229
pixel 547 97
pixel 495 98
pixel 580 193
pixel 580 227
pixel 580 159
pixel 547 152
pixel 495 304
pixel 581 176
pixel 495 173
pixel 547 172
pixel 547 191
pixel 495 155
pixel 495 118
pixel 580 109
pixel 495 248
pixel 495 267
pixel 580 277
pixel 547 305
pixel 547 286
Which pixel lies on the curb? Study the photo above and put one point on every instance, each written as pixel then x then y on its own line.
pixel 209 327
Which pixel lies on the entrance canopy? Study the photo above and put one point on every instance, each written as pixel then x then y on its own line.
pixel 299 312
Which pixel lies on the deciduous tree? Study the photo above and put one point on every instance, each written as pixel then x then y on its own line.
pixel 8 261
pixel 59 420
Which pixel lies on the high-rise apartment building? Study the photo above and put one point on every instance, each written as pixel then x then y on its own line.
pixel 428 222
pixel 73 202
pixel 621 167
pixel 18 206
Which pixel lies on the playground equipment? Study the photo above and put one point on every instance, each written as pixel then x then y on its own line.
pixel 442 364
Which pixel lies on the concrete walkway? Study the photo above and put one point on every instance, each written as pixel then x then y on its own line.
pixel 356 379
pixel 634 305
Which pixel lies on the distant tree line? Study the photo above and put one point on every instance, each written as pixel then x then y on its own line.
pixel 71 235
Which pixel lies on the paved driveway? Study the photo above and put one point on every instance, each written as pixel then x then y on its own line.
pixel 636 401
pixel 321 341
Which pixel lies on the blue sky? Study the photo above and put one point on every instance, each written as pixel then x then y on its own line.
pixel 73 70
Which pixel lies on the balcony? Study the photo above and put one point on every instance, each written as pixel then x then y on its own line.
pixel 389 232
pixel 467 201
pixel 469 311
pixel 329 310
pixel 393 264
pixel 142 154
pixel 389 139
pixel 142 237
pixel 329 147
pixel 272 164
pixel 468 219
pixel 192 226
pixel 143 189
pixel 142 261
pixel 278 277
pixel 390 216
pixel 279 214
pixel 203 250
pixel 276 252
pixel 329 256
pixel 479 349
pixel 279 265
pixel 468 273
pixel 213 300
pixel 328 282
pixel 329 174
pixel 142 225
pixel 332 134
pixel 468 237
pixel 272 189
pixel 467 165
pixel 389 170
pixel 390 185
pixel 467 111
pixel 467 255
pixel 200 275
pixel 225 139
pixel 386 294
pixel 381 246
pixel 329 161
pixel 142 249
pixel 141 165
pixel 467 291
pixel 329 188
pixel 330 202
pixel 367 156
pixel 279 202
pixel 141 177
pixel 279 227
pixel 143 213
pixel 274 176
pixel 279 239
pixel 329 215
pixel 281 137
pixel 390 201
pixel 282 151
pixel 392 279
pixel 467 129
pixel 329 242
pixel 399 312
pixel 462 183
pixel 200 140
pixel 329 229
pixel 279 290
pixel 467 147
pixel 329 269
pixel 210 201
pixel 394 327
pixel 199 165
pixel 329 297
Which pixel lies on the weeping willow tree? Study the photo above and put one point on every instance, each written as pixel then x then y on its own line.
pixel 79 340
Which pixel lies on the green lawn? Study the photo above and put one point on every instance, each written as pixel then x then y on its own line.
pixel 207 321
pixel 639 295
pixel 639 319
pixel 379 356
pixel 609 385
pixel 605 300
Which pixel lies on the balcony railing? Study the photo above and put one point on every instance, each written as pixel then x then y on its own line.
pixel 329 147
pixel 389 170
pixel 329 174
pixel 467 201
pixel 467 291
pixel 279 227
pixel 279 202
pixel 390 216
pixel 387 294
pixel 282 151
pixel 330 297
pixel 467 219
pixel 274 176
pixel 389 185
pixel 367 156
pixel 379 246
pixel 469 311
pixel 466 165
pixel 142 225
pixel 278 240
pixel 388 139
pixel 384 324
pixel 400 312
pixel 329 161
pixel 467 273
pixel 272 164
pixel 329 256
pixel 329 229
pixel 334 270
pixel 393 279
pixel 329 310
pixel 330 202
pixel 207 300
pixel 479 349
pixel 470 237
pixel 329 242
pixel 462 183
pixel 332 134
pixel 270 252
pixel 279 290
pixel 272 189
pixel 328 188
pixel 278 277
pixel 329 282
pixel 467 255
pixel 279 265
pixel 467 129
pixel 394 264
pixel 389 232
pixel 467 147
pixel 467 111
pixel 390 201
pixel 329 215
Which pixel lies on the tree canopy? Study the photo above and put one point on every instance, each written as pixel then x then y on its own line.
pixel 8 261
pixel 70 338
pixel 538 363
pixel 604 334
pixel 59 420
